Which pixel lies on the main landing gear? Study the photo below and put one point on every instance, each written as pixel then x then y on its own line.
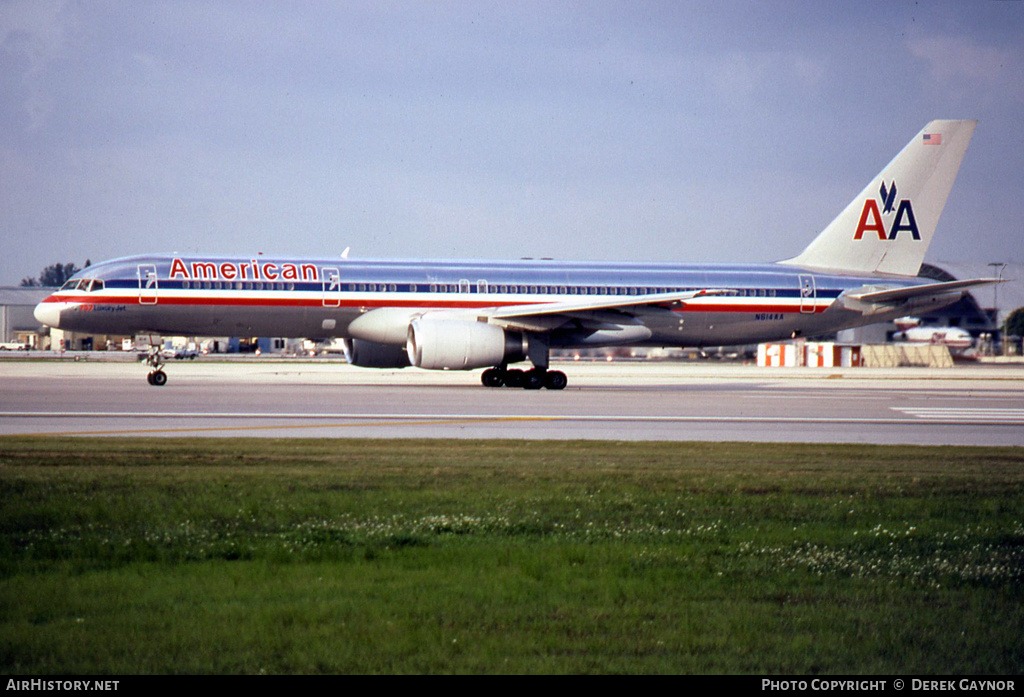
pixel 157 377
pixel 527 379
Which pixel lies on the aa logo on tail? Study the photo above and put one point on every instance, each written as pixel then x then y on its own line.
pixel 871 219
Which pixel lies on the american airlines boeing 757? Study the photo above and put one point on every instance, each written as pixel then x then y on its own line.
pixel 464 315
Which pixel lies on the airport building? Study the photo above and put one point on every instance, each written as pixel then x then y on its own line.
pixel 984 309
pixel 18 326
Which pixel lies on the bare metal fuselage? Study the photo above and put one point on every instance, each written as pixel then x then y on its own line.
pixel 317 298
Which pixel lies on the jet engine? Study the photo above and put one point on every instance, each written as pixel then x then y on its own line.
pixel 444 344
pixel 369 354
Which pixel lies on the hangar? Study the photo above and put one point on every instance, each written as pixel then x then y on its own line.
pixel 17 323
pixel 984 309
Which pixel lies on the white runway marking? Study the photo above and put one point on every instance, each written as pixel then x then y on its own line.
pixel 912 415
pixel 965 414
pixel 437 417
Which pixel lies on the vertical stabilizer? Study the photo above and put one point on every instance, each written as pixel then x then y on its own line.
pixel 888 227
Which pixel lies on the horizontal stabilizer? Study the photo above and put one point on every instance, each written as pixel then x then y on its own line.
pixel 872 299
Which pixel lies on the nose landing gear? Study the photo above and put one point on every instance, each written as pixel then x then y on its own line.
pixel 156 377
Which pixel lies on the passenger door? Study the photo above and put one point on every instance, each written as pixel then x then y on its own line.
pixel 148 284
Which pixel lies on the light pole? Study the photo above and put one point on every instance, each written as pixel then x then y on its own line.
pixel 995 299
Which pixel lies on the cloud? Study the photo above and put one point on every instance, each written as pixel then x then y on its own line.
pixel 31 36
pixel 959 64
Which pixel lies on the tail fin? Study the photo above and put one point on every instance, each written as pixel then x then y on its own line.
pixel 888 227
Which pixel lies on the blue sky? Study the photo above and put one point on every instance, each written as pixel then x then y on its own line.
pixel 696 131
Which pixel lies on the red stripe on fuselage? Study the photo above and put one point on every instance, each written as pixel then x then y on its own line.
pixel 318 301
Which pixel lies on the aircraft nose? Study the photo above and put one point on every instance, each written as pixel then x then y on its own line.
pixel 48 314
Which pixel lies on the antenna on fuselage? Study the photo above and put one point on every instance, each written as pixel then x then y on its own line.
pixel 344 255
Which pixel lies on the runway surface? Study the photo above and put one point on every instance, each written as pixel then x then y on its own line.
pixel 973 405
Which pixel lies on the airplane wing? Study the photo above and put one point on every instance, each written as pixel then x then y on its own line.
pixel 604 311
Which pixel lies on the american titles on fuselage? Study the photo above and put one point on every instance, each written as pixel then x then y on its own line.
pixel 252 270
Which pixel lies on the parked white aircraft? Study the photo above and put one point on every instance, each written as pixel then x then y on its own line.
pixel 956 339
pixel 463 315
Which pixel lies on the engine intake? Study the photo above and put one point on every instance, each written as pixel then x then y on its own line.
pixel 440 344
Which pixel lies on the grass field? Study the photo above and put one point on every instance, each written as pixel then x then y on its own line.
pixel 257 556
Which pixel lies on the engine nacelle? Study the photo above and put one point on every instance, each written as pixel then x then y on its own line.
pixel 385 325
pixel 442 344
pixel 368 354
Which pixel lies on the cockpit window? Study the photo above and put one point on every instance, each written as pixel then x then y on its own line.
pixel 89 285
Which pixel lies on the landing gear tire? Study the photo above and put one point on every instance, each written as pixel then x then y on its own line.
pixel 514 378
pixel 533 379
pixel 493 377
pixel 555 380
pixel 528 380
pixel 157 378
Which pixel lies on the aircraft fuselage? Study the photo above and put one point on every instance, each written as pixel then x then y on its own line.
pixel 319 298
